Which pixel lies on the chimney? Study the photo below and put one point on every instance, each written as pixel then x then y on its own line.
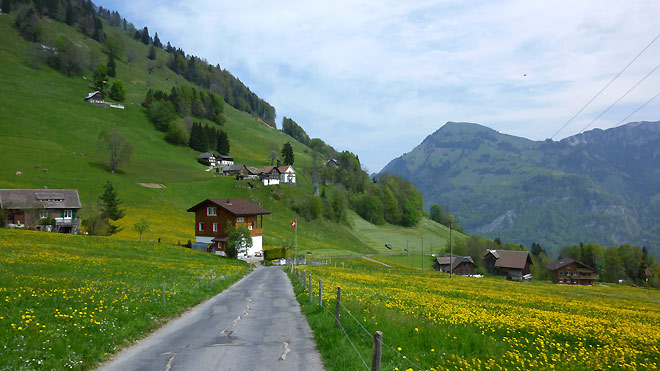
pixel 228 201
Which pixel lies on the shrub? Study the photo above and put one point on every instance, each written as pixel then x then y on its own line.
pixel 272 253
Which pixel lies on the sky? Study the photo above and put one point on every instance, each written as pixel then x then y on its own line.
pixel 377 77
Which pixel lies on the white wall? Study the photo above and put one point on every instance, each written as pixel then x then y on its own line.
pixel 203 239
pixel 257 245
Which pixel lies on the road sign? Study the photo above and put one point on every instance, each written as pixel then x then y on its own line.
pixel 293 224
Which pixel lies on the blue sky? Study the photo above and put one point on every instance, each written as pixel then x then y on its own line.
pixel 377 77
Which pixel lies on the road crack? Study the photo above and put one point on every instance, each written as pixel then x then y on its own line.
pixel 286 351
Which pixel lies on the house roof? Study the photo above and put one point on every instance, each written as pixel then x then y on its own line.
pixel 253 170
pixel 268 169
pixel 564 262
pixel 226 158
pixel 235 206
pixel 93 94
pixel 234 167
pixel 510 258
pixel 455 260
pixel 205 155
pixel 284 168
pixel 39 199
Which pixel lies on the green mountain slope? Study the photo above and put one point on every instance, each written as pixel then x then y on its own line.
pixel 595 187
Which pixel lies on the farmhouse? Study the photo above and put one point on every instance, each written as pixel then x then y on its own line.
pixel 459 265
pixel 214 214
pixel 95 97
pixel 570 271
pixel 45 209
pixel 223 160
pixel 287 174
pixel 270 175
pixel 512 264
pixel 207 158
pixel 235 170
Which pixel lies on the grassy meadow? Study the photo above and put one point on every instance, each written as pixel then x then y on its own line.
pixel 431 322
pixel 72 301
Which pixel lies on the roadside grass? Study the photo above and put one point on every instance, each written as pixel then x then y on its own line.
pixel 465 323
pixel 72 301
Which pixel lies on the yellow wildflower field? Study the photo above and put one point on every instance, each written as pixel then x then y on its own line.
pixel 489 323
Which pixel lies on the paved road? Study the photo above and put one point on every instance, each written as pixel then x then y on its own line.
pixel 254 325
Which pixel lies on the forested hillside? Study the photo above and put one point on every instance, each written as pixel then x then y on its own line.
pixel 601 186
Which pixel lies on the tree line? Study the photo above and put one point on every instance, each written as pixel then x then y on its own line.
pixel 186 101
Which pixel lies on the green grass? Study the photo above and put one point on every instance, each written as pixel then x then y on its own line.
pixel 72 301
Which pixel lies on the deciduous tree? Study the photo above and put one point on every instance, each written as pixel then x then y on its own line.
pixel 141 226
pixel 116 147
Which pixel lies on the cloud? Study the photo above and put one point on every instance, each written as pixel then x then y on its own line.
pixel 378 77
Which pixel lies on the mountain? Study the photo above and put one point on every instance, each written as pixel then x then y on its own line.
pixel 599 186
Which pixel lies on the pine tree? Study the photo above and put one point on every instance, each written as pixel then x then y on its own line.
pixel 287 154
pixel 157 42
pixel 110 206
pixel 222 145
pixel 152 53
pixel 197 141
pixel 144 36
pixel 111 65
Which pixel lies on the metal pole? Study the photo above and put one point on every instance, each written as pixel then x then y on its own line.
pixel 422 252
pixel 337 307
pixel 451 252
pixel 295 237
pixel 376 351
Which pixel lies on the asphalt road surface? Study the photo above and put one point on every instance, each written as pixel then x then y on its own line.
pixel 254 325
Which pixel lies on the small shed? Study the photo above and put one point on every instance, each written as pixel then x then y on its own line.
pixel 95 97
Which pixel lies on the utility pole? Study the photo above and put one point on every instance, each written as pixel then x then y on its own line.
pixel 422 252
pixel 451 252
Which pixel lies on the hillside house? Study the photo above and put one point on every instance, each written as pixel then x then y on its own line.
pixel 223 160
pixel 287 174
pixel 332 163
pixel 571 271
pixel 235 170
pixel 214 214
pixel 28 207
pixel 270 175
pixel 252 172
pixel 207 158
pixel 95 97
pixel 512 264
pixel 458 265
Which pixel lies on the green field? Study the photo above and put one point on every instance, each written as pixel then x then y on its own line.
pixel 72 301
pixel 432 322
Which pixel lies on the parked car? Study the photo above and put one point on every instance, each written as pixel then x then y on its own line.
pixel 258 254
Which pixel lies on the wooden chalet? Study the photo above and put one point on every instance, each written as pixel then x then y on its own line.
pixel 270 175
pixel 512 264
pixel 287 174
pixel 214 214
pixel 95 97
pixel 235 170
pixel 570 271
pixel 223 160
pixel 458 265
pixel 28 208
pixel 207 158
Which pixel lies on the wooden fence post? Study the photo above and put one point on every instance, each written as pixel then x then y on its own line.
pixel 164 295
pixel 321 292
pixel 376 351
pixel 337 308
pixel 309 285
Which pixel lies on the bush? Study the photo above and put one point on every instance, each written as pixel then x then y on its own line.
pixel 117 91
pixel 177 134
pixel 272 253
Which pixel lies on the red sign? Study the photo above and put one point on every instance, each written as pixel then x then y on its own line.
pixel 293 224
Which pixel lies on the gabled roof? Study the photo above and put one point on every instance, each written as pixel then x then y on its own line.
pixel 39 199
pixel 268 169
pixel 234 167
pixel 455 260
pixel 206 155
pixel 90 95
pixel 235 206
pixel 226 158
pixel 252 170
pixel 564 262
pixel 510 258
pixel 284 168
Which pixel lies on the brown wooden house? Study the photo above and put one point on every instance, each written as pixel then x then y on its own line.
pixel 214 214
pixel 270 175
pixel 571 271
pixel 512 264
pixel 30 208
pixel 459 265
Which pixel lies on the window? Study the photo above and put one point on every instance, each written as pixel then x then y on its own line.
pixel 211 211
pixel 67 214
pixel 561 273
pixel 215 227
pixel 200 226
pixel 43 214
pixel 240 219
